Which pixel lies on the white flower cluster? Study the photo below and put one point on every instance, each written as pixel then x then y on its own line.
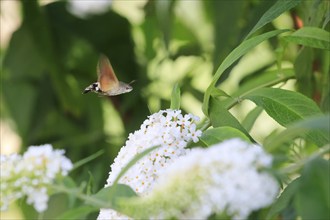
pixel 225 179
pixel 167 128
pixel 85 8
pixel 30 175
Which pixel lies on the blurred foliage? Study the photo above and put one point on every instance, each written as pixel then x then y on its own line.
pixel 57 54
pixel 52 57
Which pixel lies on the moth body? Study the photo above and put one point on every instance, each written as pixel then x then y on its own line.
pixel 122 88
pixel 107 83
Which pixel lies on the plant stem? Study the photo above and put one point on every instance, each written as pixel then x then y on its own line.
pixel 299 164
pixel 92 201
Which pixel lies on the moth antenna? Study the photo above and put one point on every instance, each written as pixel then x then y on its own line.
pixel 133 81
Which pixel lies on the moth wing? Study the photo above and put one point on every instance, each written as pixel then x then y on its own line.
pixel 106 76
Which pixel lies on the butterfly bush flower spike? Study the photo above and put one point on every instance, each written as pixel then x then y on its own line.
pixel 225 179
pixel 168 129
pixel 31 174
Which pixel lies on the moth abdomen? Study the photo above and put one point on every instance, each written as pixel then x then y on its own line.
pixel 93 88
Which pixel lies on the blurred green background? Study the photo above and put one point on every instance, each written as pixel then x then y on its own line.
pixel 49 52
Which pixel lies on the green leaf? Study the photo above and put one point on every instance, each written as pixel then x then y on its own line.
pixel 230 15
pixel 266 79
pixel 220 117
pixel 90 184
pixel 21 103
pixel 303 67
pixel 276 10
pixel 88 159
pixel 108 197
pixel 133 161
pixel 325 100
pixel 164 12
pixel 250 119
pixel 69 183
pixel 97 30
pixel 239 51
pixel 317 126
pixel 242 49
pixel 284 199
pixel 80 212
pixel 287 107
pixel 175 97
pixel 310 37
pixel 312 200
pixel 39 28
pixel 326 20
pixel 217 135
pixel 283 106
pixel 216 93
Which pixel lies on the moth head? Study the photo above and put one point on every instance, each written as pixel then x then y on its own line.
pixel 126 87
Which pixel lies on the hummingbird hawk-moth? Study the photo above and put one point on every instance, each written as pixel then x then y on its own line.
pixel 107 82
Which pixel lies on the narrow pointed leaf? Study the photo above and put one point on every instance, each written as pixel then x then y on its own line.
pixel 310 37
pixel 317 128
pixel 80 212
pixel 266 79
pixel 87 159
pixel 108 197
pixel 287 107
pixel 283 106
pixel 216 92
pixel 276 10
pixel 220 117
pixel 217 135
pixel 312 200
pixel 284 199
pixel 175 97
pixel 237 53
pixel 133 161
pixel 251 118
